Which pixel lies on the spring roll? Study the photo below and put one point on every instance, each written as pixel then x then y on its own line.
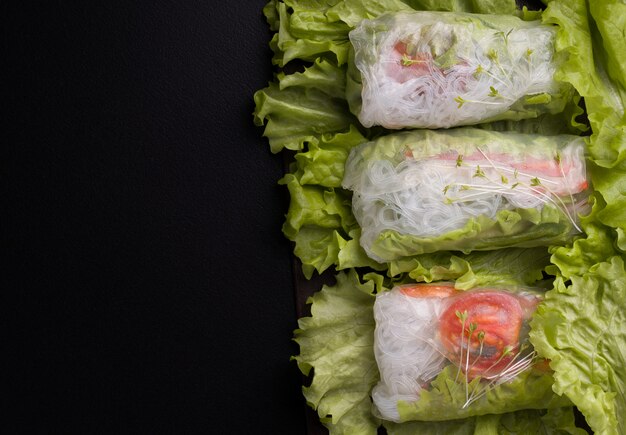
pixel 441 69
pixel 466 189
pixel 444 354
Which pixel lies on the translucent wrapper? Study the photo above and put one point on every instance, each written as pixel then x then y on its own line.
pixel 445 354
pixel 465 189
pixel 441 69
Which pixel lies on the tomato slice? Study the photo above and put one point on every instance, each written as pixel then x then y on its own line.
pixel 480 331
pixel 440 291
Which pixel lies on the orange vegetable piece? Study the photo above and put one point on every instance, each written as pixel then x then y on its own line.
pixel 428 290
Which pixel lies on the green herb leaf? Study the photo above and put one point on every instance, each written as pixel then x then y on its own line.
pixel 479 172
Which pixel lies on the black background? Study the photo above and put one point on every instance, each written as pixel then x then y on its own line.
pixel 152 288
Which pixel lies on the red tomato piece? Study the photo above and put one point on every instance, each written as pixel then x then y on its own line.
pixel 480 331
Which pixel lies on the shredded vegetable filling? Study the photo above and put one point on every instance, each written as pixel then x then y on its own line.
pixel 428 194
pixel 431 196
pixel 433 70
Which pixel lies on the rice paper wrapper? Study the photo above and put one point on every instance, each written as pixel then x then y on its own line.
pixel 443 69
pixel 466 189
pixel 445 354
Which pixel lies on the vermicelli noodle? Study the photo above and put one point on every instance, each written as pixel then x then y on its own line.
pixel 405 349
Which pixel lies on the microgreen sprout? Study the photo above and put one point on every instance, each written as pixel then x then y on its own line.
pixel 505 351
pixel 459 160
pixel 407 61
pixel 559 162
pixel 481 341
pixel 505 36
pixel 482 70
pixel 479 172
pixel 557 158
pixel 462 318
pixel 493 56
pixel 548 196
pixel 493 92
pixel 470 331
pixel 461 101
pixel 503 178
pixel 529 52
pixel 512 369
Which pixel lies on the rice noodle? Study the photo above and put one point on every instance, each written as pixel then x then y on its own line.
pixel 405 349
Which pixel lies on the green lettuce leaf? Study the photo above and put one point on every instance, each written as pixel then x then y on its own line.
pixel 302 108
pixel 593 36
pixel 528 390
pixel 321 224
pixel 518 228
pixel 303 31
pixel 507 267
pixel 324 161
pixel 581 327
pixel 352 12
pixel 337 342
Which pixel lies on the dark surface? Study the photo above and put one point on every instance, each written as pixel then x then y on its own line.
pixel 153 287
